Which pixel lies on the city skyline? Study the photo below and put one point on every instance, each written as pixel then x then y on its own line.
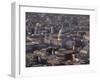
pixel 56 39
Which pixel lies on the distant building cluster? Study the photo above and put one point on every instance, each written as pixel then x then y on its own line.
pixel 57 39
